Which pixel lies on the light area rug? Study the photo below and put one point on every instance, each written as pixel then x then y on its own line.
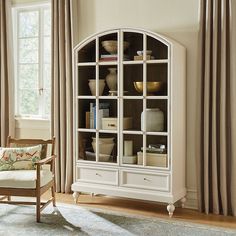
pixel 68 219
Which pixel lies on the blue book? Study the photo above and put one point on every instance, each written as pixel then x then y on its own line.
pixel 103 112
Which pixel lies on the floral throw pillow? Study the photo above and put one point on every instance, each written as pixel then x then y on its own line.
pixel 21 158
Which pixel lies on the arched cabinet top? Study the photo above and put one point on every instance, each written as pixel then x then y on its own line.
pixel 131 40
pixel 163 39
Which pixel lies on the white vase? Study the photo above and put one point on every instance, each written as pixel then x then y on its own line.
pixel 154 120
pixel 92 86
pixel 111 79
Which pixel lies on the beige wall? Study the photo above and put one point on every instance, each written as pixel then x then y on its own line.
pixel 177 19
pixel 30 128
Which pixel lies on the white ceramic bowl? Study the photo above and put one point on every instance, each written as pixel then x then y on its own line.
pixel 104 140
pixel 148 52
pixel 111 46
pixel 104 148
pixel 104 157
pixel 92 86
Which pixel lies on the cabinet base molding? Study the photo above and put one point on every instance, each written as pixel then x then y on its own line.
pixel 154 196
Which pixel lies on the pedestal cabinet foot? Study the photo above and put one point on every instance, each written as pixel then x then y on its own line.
pixel 76 197
pixel 183 200
pixel 171 209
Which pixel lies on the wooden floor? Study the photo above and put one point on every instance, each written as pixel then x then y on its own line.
pixel 147 209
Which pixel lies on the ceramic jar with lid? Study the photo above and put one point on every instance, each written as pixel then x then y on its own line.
pixel 154 120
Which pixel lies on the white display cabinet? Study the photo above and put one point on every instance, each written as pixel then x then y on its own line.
pixel 130 141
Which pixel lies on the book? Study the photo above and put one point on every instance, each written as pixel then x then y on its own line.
pixel 108 59
pixel 112 57
pixel 108 55
pixel 87 120
pixel 139 58
pixel 91 115
pixel 103 112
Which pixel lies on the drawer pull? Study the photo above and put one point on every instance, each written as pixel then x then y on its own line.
pixel 97 174
pixel 146 179
pixel 111 125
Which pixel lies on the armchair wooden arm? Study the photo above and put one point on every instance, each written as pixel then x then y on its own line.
pixel 46 160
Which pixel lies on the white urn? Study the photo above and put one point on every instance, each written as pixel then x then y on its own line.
pixel 154 120
pixel 111 79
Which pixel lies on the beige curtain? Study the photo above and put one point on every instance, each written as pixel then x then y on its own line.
pixel 6 76
pixel 62 100
pixel 217 162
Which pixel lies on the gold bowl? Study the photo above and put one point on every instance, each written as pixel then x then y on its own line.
pixel 152 87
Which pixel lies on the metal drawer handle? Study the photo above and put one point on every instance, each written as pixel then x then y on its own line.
pixel 146 179
pixel 111 125
pixel 97 174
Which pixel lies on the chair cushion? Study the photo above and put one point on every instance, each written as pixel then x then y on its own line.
pixel 19 158
pixel 24 178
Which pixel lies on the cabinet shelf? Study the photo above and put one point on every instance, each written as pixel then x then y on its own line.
pixel 86 97
pixel 160 169
pixel 133 62
pixel 87 130
pixel 138 132
pixel 157 61
pixel 108 131
pixel 146 133
pixel 154 61
pixel 108 63
pixel 107 97
pixel 94 97
pixel 86 64
pixel 146 97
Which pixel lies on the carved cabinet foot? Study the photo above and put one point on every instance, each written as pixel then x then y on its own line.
pixel 183 200
pixel 171 209
pixel 76 196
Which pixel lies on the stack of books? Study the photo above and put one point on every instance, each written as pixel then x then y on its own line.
pixel 139 58
pixel 112 57
pixel 91 115
pixel 109 57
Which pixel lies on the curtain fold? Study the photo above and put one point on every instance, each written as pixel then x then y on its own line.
pixel 217 162
pixel 6 76
pixel 62 94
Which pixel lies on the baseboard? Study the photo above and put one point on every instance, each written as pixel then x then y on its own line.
pixel 192 201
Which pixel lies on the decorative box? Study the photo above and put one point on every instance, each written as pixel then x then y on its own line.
pixel 153 159
pixel 111 123
pixel 129 160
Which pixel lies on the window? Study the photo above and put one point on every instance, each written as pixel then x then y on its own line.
pixel 32 31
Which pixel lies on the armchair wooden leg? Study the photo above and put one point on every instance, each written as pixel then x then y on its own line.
pixel 8 198
pixel 38 209
pixel 53 195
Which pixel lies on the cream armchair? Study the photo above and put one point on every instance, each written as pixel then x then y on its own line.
pixel 30 183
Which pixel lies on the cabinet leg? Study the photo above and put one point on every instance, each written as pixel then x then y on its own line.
pixel 183 200
pixel 92 194
pixel 76 196
pixel 171 209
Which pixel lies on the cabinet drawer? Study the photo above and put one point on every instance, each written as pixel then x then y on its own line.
pixel 145 181
pixel 97 175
